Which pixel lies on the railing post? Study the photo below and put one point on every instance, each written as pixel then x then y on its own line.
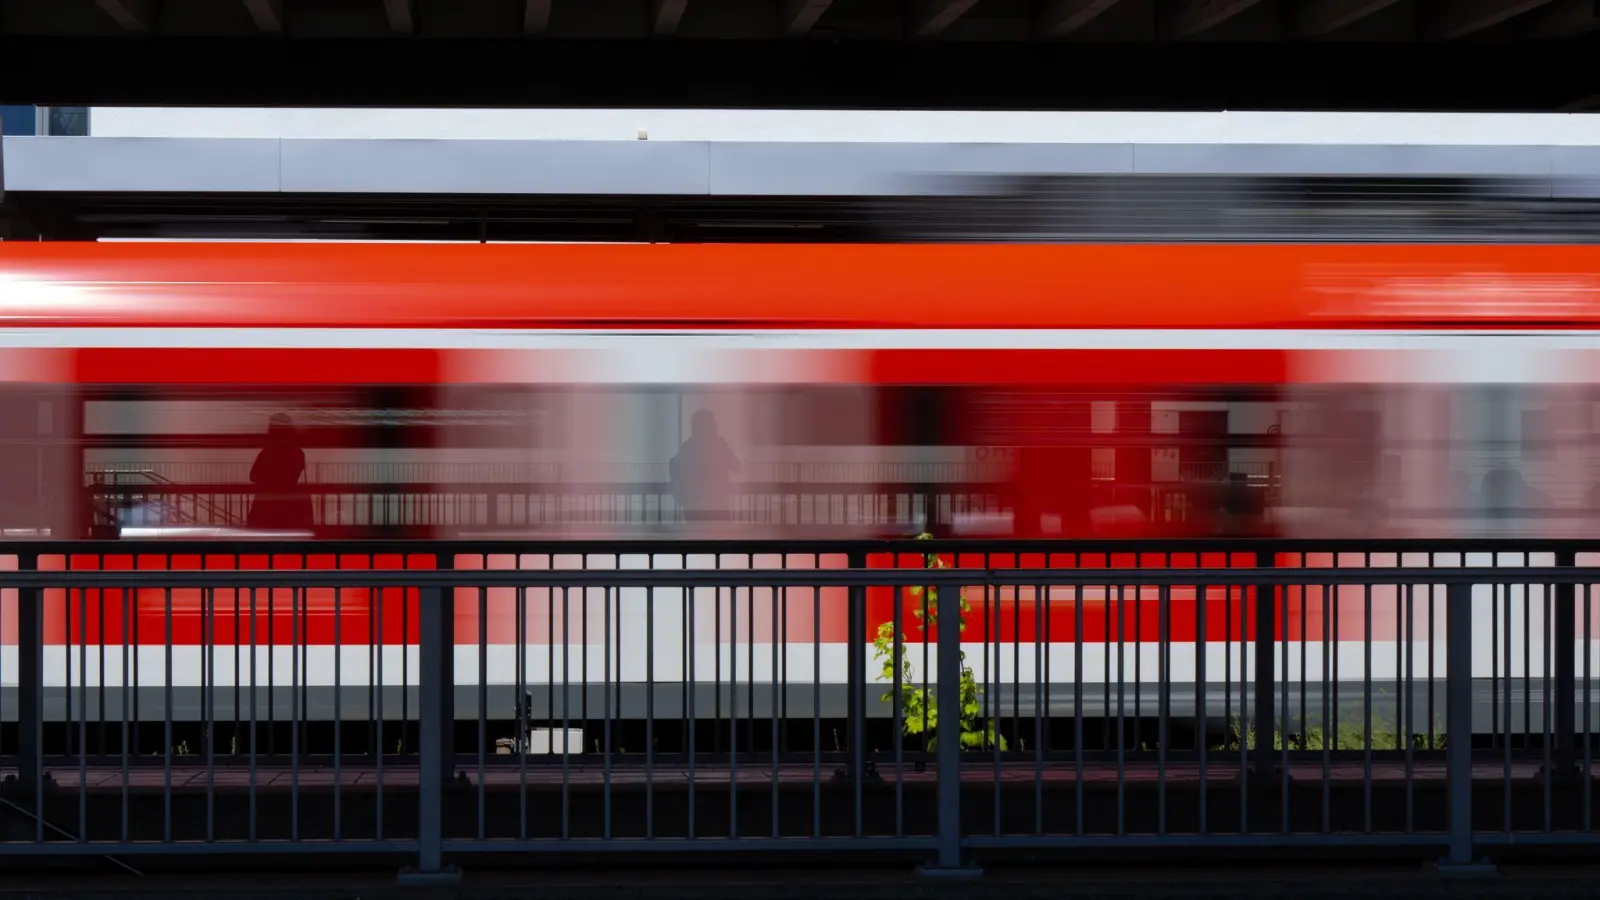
pixel 947 738
pixel 1458 732
pixel 856 681
pixel 1565 732
pixel 1266 644
pixel 435 670
pixel 30 682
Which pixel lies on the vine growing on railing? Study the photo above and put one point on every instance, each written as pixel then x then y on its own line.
pixel 920 707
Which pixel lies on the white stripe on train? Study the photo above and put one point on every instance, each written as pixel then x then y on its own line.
pixel 1485 339
pixel 314 666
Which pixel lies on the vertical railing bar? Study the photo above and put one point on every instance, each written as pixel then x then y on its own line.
pixel 1164 659
pixel 83 722
pixel 1527 667
pixel 1366 695
pixel 1510 691
pixel 1588 739
pixel 375 651
pixel 650 710
pixel 1016 667
pixel 254 730
pixel 209 643
pixel 524 706
pixel 948 740
pixel 272 669
pixel 1248 731
pixel 1041 649
pixel 991 681
pixel 1407 698
pixel 1548 649
pixel 297 638
pixel 691 686
pixel 100 598
pixel 128 611
pixel 566 704
pixel 167 748
pixel 1122 733
pixel 338 713
pixel 897 653
pixel 483 708
pixel 1458 668
pixel 1330 692
pixel 780 615
pixel 1433 686
pixel 733 705
pixel 605 703
pixel 1077 699
pixel 1202 705
pixel 816 711
pixel 1282 622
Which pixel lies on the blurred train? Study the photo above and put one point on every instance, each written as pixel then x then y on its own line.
pixel 581 392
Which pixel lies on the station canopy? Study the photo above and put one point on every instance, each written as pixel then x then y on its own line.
pixel 1534 55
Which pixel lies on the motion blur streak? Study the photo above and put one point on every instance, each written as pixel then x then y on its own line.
pixel 1028 390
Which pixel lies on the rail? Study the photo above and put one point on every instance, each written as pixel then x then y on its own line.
pixel 438 703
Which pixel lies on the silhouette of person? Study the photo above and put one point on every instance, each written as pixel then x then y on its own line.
pixel 281 503
pixel 1505 494
pixel 702 472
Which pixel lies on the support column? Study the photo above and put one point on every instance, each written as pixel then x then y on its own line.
pixel 947 739
pixel 1459 860
pixel 857 770
pixel 1565 732
pixel 1266 687
pixel 435 670
pixel 30 685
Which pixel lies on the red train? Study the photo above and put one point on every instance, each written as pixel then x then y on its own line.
pixel 587 391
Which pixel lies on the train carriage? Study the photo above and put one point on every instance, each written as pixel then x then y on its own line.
pixel 542 393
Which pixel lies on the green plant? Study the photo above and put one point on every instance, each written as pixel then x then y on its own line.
pixel 1350 736
pixel 920 709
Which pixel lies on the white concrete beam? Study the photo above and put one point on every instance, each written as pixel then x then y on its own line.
pixel 130 14
pixel 1562 19
pixel 1465 17
pixel 1319 17
pixel 1061 17
pixel 402 15
pixel 667 14
pixel 267 14
pixel 800 16
pixel 536 18
pixel 934 16
pixel 1203 15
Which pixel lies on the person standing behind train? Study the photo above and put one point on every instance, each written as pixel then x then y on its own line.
pixel 702 472
pixel 281 503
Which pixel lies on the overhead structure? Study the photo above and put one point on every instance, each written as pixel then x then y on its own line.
pixel 1049 54
pixel 1317 19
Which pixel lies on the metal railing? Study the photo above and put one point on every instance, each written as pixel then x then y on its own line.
pixel 436 702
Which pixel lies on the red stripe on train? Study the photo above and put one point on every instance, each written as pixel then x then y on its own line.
pixel 389 615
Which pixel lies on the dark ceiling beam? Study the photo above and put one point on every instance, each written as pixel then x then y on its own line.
pixel 402 15
pixel 666 16
pixel 1561 19
pixel 536 17
pixel 267 14
pixel 1203 15
pixel 1465 17
pixel 800 16
pixel 130 14
pixel 934 16
pixel 1318 17
pixel 1060 17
